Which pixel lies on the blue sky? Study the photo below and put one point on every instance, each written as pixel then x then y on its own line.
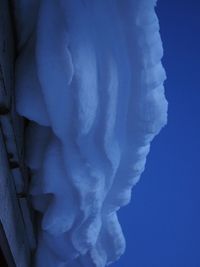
pixel 162 223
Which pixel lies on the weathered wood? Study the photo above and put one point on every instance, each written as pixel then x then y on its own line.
pixel 10 215
pixel 17 233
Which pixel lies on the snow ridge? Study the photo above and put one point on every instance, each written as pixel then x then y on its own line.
pixel 90 80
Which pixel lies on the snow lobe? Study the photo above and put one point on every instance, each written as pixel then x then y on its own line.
pixel 89 79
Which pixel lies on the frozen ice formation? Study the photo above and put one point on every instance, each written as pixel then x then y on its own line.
pixel 89 79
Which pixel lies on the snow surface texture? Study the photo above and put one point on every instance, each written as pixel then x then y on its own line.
pixel 90 80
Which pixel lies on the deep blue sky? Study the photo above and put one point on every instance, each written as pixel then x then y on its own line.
pixel 162 223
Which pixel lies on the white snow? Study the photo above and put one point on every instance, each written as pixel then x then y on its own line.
pixel 90 80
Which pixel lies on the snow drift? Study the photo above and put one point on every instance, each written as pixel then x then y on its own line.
pixel 89 79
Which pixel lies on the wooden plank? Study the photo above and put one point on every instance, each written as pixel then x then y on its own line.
pixel 7 259
pixel 17 235
pixel 10 214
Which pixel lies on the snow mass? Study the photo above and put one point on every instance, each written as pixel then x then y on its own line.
pixel 89 79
